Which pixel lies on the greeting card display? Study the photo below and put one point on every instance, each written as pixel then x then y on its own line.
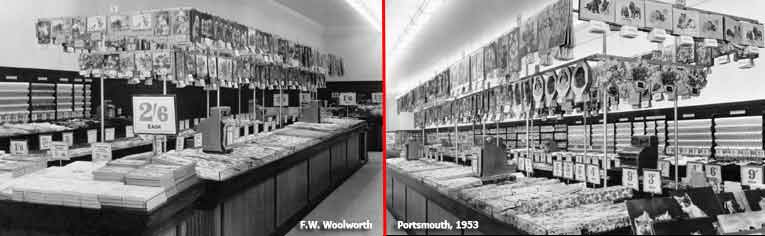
pixel 581 81
pixel 550 90
pixel 685 22
pixel 630 12
pixel 599 10
pixel 513 55
pixel 658 15
pixel 528 37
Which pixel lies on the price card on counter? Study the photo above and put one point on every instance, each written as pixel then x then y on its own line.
pixel 630 178
pixel 45 141
pixel 60 151
pixel 580 170
pixel 529 166
pixel 229 135
pixel 109 133
pixel 557 169
pixel 92 136
pixel 154 114
pixel 568 170
pixel 521 163
pixel 129 131
pixel 101 152
pixel 751 175
pixel 593 174
pixel 68 138
pixel 347 99
pixel 198 140
pixel 693 167
pixel 19 147
pixel 664 168
pixel 179 143
pixel 652 181
pixel 713 171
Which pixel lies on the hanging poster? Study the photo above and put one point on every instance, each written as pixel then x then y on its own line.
pixel 501 57
pixel 43 31
pixel 513 57
pixel 162 23
pixel 562 24
pixel 476 69
pixel 599 10
pixel 658 15
pixel 733 30
pixel 685 22
pixel 752 34
pixel 711 26
pixel 489 58
pixel 528 37
pixel 544 28
pixel 630 12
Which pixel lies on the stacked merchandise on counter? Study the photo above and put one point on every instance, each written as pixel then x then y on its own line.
pixel 739 139
pixel 14 101
pixel 560 135
pixel 695 138
pixel 64 100
pixel 639 128
pixel 9 129
pixel 257 150
pixel 533 205
pixel 43 101
pixel 129 183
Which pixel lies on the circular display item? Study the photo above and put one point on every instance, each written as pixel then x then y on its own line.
pixel 581 81
pixel 538 91
pixel 550 90
pixel 563 83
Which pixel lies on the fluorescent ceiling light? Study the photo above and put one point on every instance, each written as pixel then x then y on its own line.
pixel 362 7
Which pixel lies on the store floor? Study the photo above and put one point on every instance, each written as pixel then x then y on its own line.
pixel 358 199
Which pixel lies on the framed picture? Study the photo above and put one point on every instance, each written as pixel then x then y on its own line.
pixel 685 22
pixel 752 34
pixel 732 30
pixel 658 15
pixel 711 26
pixel 630 12
pixel 599 10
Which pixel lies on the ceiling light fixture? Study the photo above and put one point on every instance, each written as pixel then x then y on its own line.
pixel 362 7
pixel 421 17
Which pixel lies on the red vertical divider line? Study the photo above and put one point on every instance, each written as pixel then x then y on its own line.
pixel 384 133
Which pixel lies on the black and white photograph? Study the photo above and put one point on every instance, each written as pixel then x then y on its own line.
pixel 192 118
pixel 559 102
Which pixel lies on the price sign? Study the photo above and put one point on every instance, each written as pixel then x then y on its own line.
pixel 347 99
pixel 580 172
pixel 693 167
pixel 281 100
pixel 377 98
pixel 92 136
pixel 129 131
pixel 521 163
pixel 652 181
pixel 630 178
pixel 558 169
pixel 45 141
pixel 751 175
pixel 109 133
pixel 529 166
pixel 179 143
pixel 713 171
pixel 568 170
pixel 198 140
pixel 101 152
pixel 154 115
pixel 664 168
pixel 68 138
pixel 593 174
pixel 19 147
pixel 60 151
pixel 305 98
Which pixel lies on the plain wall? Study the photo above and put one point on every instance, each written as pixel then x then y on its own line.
pixel 361 51
pixel 19 45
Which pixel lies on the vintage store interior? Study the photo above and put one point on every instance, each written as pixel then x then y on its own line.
pixel 202 117
pixel 575 116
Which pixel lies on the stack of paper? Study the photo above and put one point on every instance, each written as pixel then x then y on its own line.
pixel 112 173
pixel 128 163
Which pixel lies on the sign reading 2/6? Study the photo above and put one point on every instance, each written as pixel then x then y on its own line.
pixel 154 115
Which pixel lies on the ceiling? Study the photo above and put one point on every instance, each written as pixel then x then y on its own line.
pixel 331 14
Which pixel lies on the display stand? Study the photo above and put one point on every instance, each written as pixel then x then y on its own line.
pixel 311 113
pixel 414 150
pixel 492 163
